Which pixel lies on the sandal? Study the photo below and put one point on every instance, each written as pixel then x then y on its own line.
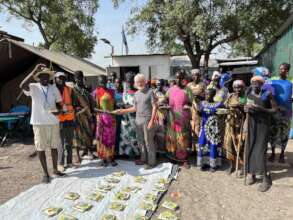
pixel 251 180
pixel 104 163
pixel 231 168
pixel 139 162
pixel 212 169
pixel 114 163
pixel 148 167
pixel 186 165
pixel 46 179
pixel 58 174
pixel 265 185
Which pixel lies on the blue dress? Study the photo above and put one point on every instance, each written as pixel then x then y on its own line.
pixel 210 136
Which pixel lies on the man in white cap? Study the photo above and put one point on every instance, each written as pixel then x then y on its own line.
pixel 66 118
pixel 46 99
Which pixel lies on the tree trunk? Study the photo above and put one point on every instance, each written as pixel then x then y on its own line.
pixel 195 60
pixel 206 60
pixel 43 33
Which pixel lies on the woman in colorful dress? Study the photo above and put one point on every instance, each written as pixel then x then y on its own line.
pixel 198 89
pixel 84 119
pixel 160 119
pixel 259 108
pixel 221 90
pixel 178 126
pixel 234 138
pixel 106 123
pixel 128 142
pixel 210 137
pixel 215 82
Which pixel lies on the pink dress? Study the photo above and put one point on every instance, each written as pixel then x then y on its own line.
pixel 178 127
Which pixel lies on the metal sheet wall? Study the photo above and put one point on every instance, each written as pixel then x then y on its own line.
pixel 279 52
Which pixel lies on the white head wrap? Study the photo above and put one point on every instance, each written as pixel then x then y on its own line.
pixel 238 82
pixel 216 75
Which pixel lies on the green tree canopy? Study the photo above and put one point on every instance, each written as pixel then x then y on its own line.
pixel 199 26
pixel 66 25
pixel 265 18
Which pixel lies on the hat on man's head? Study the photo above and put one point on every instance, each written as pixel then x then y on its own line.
pixel 58 74
pixel 44 71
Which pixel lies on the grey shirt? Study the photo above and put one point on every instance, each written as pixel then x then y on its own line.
pixel 143 101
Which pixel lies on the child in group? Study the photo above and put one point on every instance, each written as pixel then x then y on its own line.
pixel 210 138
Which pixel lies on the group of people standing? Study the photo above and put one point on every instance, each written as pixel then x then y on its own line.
pixel 139 119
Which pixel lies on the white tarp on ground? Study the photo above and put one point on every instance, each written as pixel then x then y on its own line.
pixel 30 204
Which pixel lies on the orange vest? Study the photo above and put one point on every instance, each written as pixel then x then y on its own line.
pixel 67 105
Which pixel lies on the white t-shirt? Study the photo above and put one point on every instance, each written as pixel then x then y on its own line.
pixel 44 99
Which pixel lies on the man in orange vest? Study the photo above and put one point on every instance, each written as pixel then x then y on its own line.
pixel 66 118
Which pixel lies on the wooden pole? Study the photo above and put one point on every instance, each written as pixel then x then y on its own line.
pixel 238 147
pixel 245 147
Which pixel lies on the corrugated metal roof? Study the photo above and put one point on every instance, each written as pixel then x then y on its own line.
pixel 240 63
pixel 221 60
pixel 66 62
pixel 185 61
pixel 137 55
pixel 4 34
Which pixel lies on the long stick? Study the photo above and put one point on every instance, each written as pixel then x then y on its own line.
pixel 19 96
pixel 245 147
pixel 238 147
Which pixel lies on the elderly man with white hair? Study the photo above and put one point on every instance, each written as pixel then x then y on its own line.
pixel 145 106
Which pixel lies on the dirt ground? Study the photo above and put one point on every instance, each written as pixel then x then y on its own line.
pixel 203 195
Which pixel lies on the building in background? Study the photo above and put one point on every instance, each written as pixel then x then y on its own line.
pixel 18 59
pixel 239 67
pixel 280 49
pixel 155 66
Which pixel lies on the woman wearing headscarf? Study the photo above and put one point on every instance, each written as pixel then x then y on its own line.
pixel 219 84
pixel 106 122
pixel 128 140
pixel 197 88
pixel 160 119
pixel 259 107
pixel 178 125
pixel 215 83
pixel 233 140
pixel 84 120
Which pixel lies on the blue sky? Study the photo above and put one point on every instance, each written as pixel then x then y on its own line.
pixel 109 23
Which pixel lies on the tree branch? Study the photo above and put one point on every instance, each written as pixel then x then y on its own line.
pixel 47 42
pixel 12 10
pixel 225 40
